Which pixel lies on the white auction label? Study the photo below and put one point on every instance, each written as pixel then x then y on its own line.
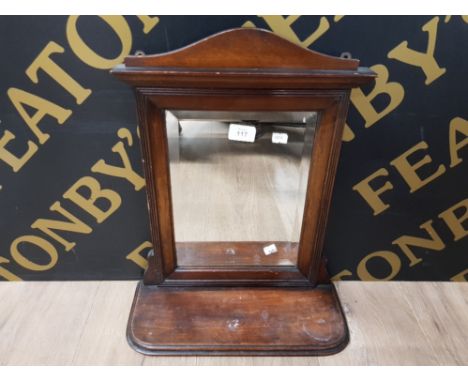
pixel 279 138
pixel 270 249
pixel 241 133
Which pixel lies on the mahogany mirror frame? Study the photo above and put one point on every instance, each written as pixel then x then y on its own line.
pixel 152 103
pixel 220 73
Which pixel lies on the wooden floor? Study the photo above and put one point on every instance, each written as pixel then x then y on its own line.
pixel 83 323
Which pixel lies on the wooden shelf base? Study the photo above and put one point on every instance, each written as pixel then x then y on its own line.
pixel 236 321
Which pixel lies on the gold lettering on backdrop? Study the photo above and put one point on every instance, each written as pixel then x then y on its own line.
pixel 424 60
pixel 137 257
pixel 45 63
pixel 340 275
pixel 11 159
pixel 371 195
pixel 121 28
pixel 462 276
pixel 391 258
pixel 21 98
pixel 5 273
pixel 348 134
pixel 95 193
pixel 32 148
pixel 457 126
pixel 363 103
pixel 434 242
pixel 408 170
pixel 283 27
pixel 38 242
pixel 148 23
pixel 455 219
pixel 93 203
pixel 43 107
pixel 125 172
pixel 248 24
pixel 72 225
pixel 463 17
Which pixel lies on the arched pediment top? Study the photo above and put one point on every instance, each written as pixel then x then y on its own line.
pixel 243 48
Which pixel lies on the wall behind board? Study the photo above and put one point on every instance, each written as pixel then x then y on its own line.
pixel 400 204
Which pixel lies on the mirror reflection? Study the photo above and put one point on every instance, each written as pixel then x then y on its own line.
pixel 238 184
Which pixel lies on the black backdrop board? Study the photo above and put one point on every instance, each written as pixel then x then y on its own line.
pixel 67 126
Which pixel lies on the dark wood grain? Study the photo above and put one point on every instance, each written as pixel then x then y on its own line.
pixel 327 136
pixel 227 49
pixel 243 58
pixel 236 321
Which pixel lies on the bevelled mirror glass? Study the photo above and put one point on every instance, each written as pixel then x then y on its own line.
pixel 238 182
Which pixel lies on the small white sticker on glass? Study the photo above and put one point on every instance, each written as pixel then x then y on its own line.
pixel 279 138
pixel 241 133
pixel 270 249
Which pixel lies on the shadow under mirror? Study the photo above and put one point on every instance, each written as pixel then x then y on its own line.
pixel 238 184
